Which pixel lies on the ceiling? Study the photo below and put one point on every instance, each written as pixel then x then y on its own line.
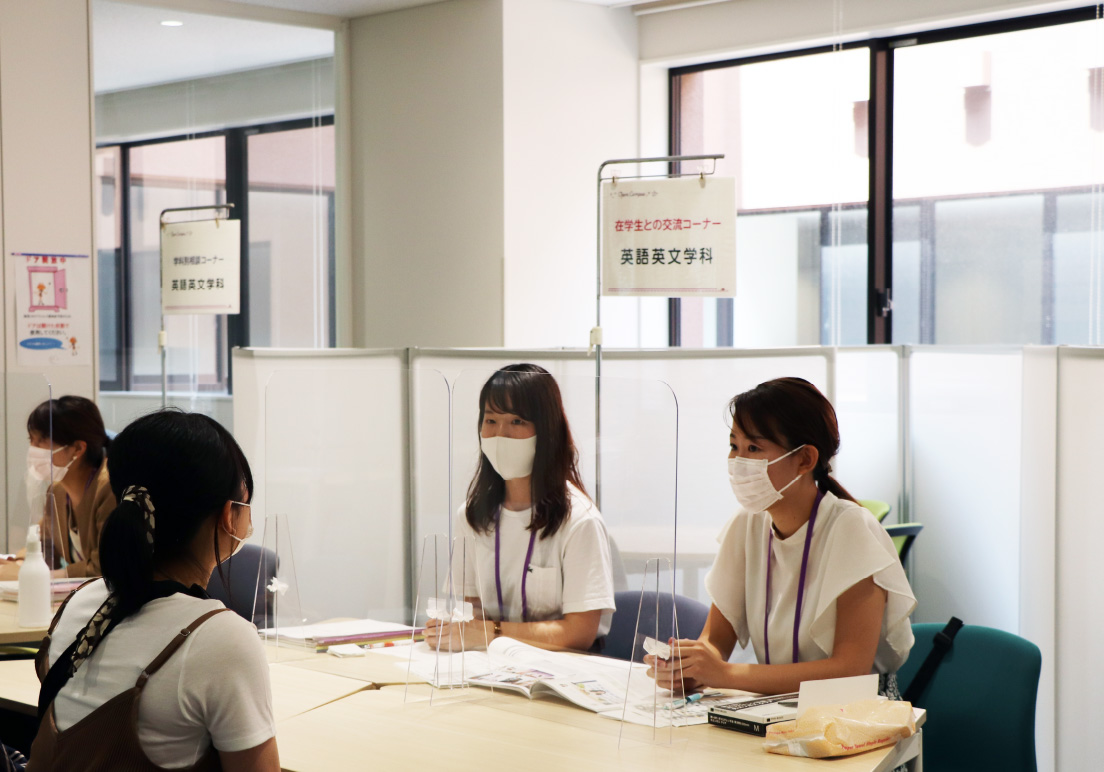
pixel 353 8
pixel 131 48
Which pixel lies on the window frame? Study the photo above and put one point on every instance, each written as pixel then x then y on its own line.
pixel 879 314
pixel 237 193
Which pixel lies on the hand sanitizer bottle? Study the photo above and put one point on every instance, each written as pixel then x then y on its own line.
pixel 34 584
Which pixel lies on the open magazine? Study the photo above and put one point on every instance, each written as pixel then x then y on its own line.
pixel 597 684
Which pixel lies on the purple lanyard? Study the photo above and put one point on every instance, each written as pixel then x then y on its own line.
pixel 524 570
pixel 800 585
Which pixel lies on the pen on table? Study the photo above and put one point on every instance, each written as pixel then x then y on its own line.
pixel 690 699
pixel 386 644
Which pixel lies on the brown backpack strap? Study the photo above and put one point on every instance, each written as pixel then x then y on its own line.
pixel 42 658
pixel 174 644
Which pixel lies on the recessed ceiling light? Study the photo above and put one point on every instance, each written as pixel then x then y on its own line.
pixel 172 23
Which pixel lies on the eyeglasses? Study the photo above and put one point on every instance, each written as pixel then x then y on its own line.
pixel 242 504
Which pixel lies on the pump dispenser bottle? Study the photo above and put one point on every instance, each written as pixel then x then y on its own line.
pixel 34 584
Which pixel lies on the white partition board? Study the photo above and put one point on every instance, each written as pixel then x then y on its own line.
pixel 867 402
pixel 965 425
pixel 1080 608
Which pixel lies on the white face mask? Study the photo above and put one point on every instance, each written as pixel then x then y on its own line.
pixel 241 541
pixel 751 481
pixel 509 457
pixel 40 466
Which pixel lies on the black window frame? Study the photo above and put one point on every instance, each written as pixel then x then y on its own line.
pixel 237 193
pixel 879 312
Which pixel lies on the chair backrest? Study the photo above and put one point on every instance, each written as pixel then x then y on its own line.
pixel 690 615
pixel 244 594
pixel 903 535
pixel 980 701
pixel 877 508
pixel 620 578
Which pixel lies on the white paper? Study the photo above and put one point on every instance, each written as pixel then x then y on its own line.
pixel 338 629
pixel 836 691
pixel 669 237
pixel 201 267
pixel 53 308
pixel 657 648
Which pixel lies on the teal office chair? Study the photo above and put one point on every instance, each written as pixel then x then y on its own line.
pixel 903 535
pixel 877 508
pixel 980 700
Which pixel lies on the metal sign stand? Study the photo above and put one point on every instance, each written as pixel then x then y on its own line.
pixel 162 336
pixel 596 331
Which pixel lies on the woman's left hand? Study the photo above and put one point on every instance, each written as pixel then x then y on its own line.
pixel 454 636
pixel 700 662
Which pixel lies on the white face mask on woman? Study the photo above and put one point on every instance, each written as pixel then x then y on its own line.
pixel 240 541
pixel 40 465
pixel 509 457
pixel 751 481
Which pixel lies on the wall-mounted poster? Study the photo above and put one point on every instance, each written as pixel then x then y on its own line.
pixel 669 237
pixel 53 302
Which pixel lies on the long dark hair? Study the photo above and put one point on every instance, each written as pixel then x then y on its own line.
pixel 191 467
pixel 528 391
pixel 73 418
pixel 791 412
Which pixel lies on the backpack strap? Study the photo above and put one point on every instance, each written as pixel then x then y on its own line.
pixel 941 644
pixel 174 644
pixel 42 658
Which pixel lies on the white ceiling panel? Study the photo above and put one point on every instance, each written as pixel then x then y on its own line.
pixel 131 48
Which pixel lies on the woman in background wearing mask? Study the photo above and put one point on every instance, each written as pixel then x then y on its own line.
pixel 114 693
pixel 803 572
pixel 74 461
pixel 542 565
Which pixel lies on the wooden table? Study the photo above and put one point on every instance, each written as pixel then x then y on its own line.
pixel 334 721
pixel 503 731
pixel 11 632
pixel 374 668
pixel 294 690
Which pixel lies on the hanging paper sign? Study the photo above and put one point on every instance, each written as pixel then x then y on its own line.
pixel 201 267
pixel 53 302
pixel 669 237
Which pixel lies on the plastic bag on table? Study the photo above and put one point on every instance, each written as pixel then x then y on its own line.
pixel 841 730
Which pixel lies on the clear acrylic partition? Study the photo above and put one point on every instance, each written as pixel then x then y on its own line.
pixel 440 668
pixel 121 408
pixel 627 464
pixel 868 406
pixel 30 501
pixel 965 419
pixel 337 502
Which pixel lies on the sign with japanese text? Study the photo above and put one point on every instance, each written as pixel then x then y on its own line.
pixel 201 267
pixel 669 237
pixel 53 308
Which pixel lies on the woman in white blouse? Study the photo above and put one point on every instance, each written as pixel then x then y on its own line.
pixel 538 556
pixel 803 572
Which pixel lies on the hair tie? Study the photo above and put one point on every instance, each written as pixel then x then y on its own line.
pixel 141 497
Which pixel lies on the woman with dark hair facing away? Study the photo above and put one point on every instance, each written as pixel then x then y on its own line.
pixel 542 565
pixel 803 572
pixel 146 640
pixel 69 452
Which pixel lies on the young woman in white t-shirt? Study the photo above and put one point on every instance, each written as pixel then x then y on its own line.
pixel 183 487
pixel 803 572
pixel 538 556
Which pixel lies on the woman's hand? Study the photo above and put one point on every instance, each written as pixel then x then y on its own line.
pixel 693 665
pixel 454 636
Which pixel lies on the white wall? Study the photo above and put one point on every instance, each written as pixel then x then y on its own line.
pixel 427 175
pixel 723 30
pixel 570 102
pixel 45 191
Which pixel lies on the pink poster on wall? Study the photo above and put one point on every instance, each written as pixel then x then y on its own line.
pixel 53 294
